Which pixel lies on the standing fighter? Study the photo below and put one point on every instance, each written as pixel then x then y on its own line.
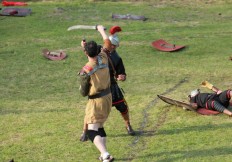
pixel 117 73
pixel 95 83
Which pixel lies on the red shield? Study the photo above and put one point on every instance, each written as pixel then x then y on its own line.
pixel 55 56
pixel 162 45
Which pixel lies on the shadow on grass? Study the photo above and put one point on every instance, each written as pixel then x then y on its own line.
pixel 193 128
pixel 181 130
pixel 175 131
pixel 124 134
pixel 220 151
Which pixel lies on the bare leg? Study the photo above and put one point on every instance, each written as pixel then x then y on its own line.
pixel 127 122
pixel 99 143
pixel 98 140
pixel 104 141
pixel 103 138
pixel 227 112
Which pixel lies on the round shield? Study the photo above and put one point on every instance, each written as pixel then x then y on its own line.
pixel 54 56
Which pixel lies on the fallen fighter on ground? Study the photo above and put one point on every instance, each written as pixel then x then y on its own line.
pixel 217 101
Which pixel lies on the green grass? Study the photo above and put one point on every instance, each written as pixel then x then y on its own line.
pixel 41 110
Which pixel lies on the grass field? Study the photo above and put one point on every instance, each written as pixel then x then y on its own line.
pixel 41 110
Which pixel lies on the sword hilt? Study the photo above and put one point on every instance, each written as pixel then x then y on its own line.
pixel 97 25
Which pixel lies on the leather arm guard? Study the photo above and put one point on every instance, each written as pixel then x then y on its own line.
pixel 210 86
pixel 207 84
pixel 84 84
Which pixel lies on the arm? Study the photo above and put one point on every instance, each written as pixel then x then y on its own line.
pixel 211 87
pixel 84 84
pixel 83 42
pixel 101 30
pixel 84 80
pixel 121 71
pixel 216 90
pixel 107 43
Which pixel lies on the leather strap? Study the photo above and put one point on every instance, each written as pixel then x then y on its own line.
pixel 100 94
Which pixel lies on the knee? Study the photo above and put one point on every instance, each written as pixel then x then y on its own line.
pixel 122 108
pixel 102 132
pixel 92 134
pixel 124 112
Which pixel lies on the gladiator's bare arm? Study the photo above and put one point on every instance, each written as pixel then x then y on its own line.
pixel 216 90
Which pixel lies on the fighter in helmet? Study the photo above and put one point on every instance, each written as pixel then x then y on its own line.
pixel 218 101
pixel 117 73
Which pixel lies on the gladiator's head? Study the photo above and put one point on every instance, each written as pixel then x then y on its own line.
pixel 91 48
pixel 193 93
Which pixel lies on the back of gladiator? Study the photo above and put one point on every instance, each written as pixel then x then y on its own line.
pixel 98 109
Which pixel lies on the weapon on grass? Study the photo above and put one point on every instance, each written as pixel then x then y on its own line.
pixel 202 111
pixel 176 102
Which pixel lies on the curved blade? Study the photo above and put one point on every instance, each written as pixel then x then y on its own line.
pixel 82 27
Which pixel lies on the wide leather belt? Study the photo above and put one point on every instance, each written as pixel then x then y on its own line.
pixel 100 94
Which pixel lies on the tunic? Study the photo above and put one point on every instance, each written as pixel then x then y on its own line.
pixel 98 109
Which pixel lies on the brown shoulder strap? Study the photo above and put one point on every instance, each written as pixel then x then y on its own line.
pixel 112 65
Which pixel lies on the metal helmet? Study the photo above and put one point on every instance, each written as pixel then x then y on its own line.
pixel 114 39
pixel 194 92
